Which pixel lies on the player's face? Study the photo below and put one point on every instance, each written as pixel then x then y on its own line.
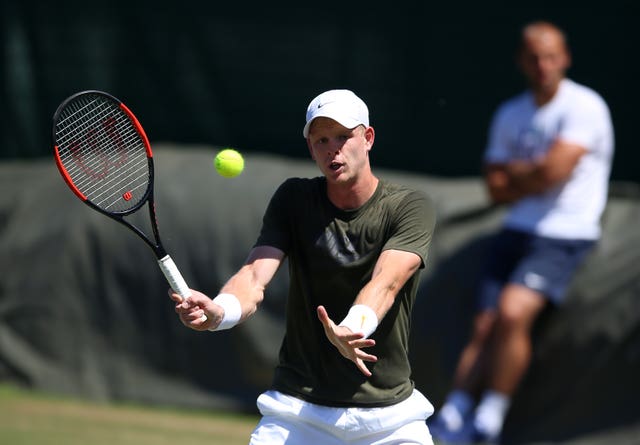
pixel 340 153
pixel 544 59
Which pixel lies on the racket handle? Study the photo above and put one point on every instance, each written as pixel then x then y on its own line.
pixel 174 277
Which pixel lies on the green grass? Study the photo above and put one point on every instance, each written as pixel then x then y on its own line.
pixel 28 418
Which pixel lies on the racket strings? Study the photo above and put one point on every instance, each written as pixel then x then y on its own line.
pixel 103 153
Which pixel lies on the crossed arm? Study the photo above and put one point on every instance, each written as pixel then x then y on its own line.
pixel 508 182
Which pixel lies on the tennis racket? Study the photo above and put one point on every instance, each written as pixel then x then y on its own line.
pixel 105 158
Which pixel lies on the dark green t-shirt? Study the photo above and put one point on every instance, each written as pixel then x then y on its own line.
pixel 331 255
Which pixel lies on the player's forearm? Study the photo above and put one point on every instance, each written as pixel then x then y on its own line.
pixel 247 289
pixel 370 306
pixel 391 272
pixel 247 286
pixel 238 299
pixel 377 296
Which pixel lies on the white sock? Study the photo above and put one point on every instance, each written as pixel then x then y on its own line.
pixel 456 407
pixel 491 412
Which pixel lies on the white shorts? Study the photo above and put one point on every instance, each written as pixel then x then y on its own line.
pixel 287 419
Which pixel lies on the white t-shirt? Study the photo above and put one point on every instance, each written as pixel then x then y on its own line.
pixel 522 130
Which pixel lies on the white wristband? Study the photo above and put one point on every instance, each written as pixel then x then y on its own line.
pixel 232 311
pixel 361 318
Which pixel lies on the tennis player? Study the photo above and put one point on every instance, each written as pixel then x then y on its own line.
pixel 355 244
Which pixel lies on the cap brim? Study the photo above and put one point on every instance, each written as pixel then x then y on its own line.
pixel 334 114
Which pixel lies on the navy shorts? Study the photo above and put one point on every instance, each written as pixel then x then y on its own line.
pixel 546 265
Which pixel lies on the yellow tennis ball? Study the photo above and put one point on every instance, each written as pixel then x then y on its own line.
pixel 229 163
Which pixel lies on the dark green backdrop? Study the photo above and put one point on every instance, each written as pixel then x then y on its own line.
pixel 241 74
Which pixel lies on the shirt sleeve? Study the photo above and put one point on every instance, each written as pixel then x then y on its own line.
pixel 413 226
pixel 584 125
pixel 497 149
pixel 274 231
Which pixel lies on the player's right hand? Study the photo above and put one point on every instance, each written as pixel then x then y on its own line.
pixel 197 311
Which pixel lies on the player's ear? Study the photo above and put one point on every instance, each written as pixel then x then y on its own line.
pixel 568 59
pixel 369 135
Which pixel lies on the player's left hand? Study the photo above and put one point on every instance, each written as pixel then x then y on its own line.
pixel 349 344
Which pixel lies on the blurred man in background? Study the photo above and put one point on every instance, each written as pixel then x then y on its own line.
pixel 548 157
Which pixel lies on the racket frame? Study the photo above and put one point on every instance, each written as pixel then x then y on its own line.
pixel 165 262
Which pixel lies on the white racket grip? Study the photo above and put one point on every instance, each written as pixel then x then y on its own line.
pixel 173 276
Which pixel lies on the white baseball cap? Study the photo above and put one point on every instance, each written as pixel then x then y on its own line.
pixel 343 106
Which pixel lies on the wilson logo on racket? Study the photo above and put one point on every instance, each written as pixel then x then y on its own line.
pixel 110 127
pixel 127 196
pixel 88 152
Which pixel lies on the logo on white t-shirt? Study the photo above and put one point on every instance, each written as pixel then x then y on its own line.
pixel 535 281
